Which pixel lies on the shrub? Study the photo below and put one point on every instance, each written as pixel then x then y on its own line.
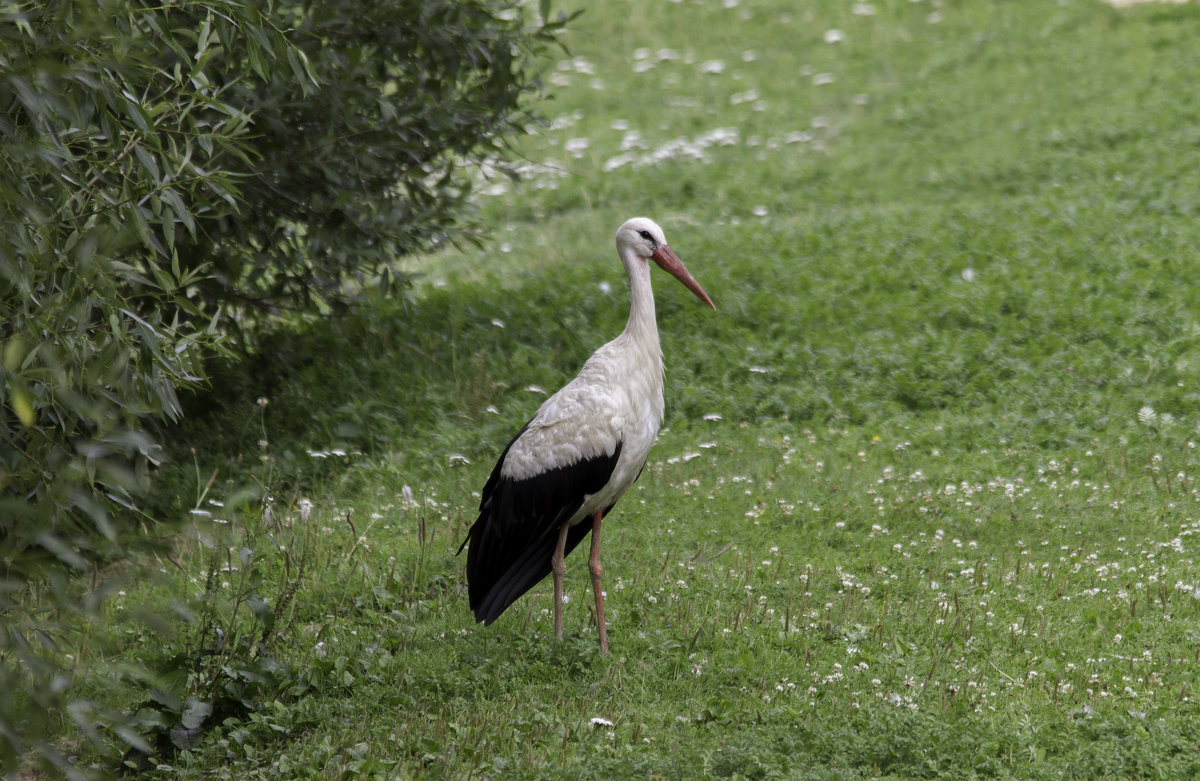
pixel 168 174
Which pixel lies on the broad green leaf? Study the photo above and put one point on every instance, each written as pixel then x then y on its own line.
pixel 22 405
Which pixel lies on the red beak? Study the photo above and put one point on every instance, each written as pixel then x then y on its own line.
pixel 671 263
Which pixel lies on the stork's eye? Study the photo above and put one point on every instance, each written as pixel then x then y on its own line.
pixel 646 235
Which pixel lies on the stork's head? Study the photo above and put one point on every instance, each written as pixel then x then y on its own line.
pixel 642 237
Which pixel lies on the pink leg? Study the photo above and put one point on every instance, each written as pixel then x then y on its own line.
pixel 597 571
pixel 559 568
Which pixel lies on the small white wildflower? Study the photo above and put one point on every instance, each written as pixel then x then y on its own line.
pixel 576 146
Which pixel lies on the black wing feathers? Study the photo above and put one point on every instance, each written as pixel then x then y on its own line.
pixel 513 540
pixel 525 573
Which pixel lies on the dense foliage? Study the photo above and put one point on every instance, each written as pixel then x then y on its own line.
pixel 169 173
pixel 359 168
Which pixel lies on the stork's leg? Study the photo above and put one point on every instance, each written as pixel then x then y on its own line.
pixel 597 571
pixel 559 567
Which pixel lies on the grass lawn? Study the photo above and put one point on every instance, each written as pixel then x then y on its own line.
pixel 925 502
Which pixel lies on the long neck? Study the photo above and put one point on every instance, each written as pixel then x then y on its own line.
pixel 641 326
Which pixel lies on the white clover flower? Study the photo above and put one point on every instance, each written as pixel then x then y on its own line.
pixel 576 146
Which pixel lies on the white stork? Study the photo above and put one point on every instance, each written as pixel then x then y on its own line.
pixel 563 472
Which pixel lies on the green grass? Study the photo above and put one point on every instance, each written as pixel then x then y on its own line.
pixel 925 505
